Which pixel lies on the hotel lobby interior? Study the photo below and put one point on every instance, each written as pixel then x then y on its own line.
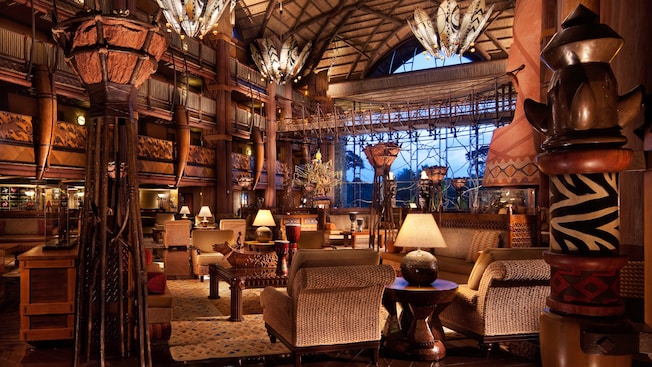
pixel 283 182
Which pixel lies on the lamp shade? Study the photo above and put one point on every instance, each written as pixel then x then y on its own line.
pixel 204 212
pixel 421 231
pixel 263 219
pixel 185 210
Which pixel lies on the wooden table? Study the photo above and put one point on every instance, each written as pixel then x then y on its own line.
pixel 419 333
pixel 242 278
pixel 8 249
pixel 260 246
pixel 351 237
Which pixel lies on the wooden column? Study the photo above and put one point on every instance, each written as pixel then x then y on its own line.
pixel 585 322
pixel 270 146
pixel 223 143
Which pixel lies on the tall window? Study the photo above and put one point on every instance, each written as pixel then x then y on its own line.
pixel 463 149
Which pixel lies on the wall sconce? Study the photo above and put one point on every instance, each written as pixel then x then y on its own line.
pixel 81 120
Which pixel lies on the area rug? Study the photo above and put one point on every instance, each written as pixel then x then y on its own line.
pixel 201 329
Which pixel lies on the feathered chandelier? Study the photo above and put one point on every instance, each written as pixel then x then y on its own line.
pixel 451 36
pixel 279 62
pixel 194 18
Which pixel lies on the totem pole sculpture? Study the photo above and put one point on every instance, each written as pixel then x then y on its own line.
pixel 113 54
pixel 584 324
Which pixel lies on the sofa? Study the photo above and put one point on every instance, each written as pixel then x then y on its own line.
pixel 28 229
pixel 503 298
pixel 338 223
pixel 466 235
pixel 159 302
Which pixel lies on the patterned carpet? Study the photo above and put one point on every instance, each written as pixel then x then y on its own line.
pixel 201 330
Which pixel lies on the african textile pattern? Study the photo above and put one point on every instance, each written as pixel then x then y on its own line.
pixel 154 148
pixel 202 156
pixel 70 136
pixel 15 127
pixel 584 213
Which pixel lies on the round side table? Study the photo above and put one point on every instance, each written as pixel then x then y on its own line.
pixel 419 333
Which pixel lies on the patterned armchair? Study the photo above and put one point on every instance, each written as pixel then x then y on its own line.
pixel 505 294
pixel 332 302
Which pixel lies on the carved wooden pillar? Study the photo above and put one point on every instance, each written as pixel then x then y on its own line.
pixel 585 323
pixel 113 56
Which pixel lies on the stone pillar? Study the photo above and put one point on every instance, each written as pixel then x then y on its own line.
pixel 584 324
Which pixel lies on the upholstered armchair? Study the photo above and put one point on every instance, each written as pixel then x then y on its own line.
pixel 176 239
pixel 504 296
pixel 202 253
pixel 332 302
pixel 239 228
pixel 312 240
pixel 177 234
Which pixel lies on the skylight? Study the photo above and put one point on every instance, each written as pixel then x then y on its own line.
pixel 423 61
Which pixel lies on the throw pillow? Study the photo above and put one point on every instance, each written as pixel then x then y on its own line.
pixel 482 240
pixel 156 282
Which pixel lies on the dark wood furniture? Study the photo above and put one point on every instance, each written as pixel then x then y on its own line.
pixel 260 246
pixel 350 238
pixel 419 333
pixel 47 294
pixel 242 278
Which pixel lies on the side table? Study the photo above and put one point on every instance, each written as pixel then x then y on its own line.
pixel 242 278
pixel 260 246
pixel 350 238
pixel 419 333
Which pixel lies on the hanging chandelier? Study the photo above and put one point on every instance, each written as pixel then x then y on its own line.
pixel 279 62
pixel 194 18
pixel 451 36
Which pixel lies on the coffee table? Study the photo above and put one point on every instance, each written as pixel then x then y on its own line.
pixel 239 279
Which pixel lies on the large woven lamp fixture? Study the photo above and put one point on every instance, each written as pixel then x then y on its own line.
pixel 450 35
pixel 279 61
pixel 419 230
pixel 194 18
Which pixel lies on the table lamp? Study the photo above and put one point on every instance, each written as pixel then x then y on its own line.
pixel 204 212
pixel 185 210
pixel 419 230
pixel 264 219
